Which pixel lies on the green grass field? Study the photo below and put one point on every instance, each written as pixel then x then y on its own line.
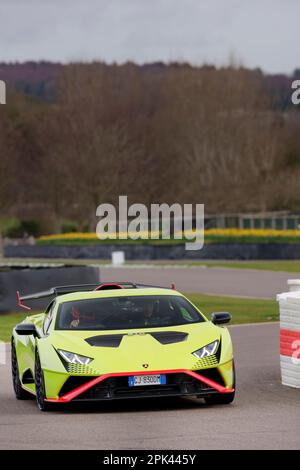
pixel 7 322
pixel 243 311
pixel 290 266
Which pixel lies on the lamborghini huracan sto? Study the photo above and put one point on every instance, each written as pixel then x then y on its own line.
pixel 120 340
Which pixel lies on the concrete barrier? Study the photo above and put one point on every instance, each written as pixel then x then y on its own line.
pixel 294 285
pixel 33 279
pixel 241 251
pixel 289 305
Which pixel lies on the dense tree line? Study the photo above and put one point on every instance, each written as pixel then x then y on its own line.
pixel 177 134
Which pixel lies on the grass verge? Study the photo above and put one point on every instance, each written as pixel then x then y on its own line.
pixel 242 310
pixel 7 322
pixel 290 266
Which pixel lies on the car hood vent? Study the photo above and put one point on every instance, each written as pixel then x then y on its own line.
pixel 169 337
pixel 105 341
pixel 114 341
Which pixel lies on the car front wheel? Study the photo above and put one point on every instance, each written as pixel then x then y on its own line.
pixel 20 393
pixel 40 390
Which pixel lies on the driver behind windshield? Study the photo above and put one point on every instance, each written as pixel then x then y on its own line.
pixel 150 317
pixel 81 319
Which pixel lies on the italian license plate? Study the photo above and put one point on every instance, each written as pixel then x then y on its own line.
pixel 136 380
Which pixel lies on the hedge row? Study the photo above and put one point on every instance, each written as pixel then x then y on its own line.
pixel 211 236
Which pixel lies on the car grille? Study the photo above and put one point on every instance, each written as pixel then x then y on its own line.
pixel 176 384
pixel 72 383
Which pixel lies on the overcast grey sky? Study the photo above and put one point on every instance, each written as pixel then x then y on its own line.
pixel 262 33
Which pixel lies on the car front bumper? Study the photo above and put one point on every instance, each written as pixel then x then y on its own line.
pixel 179 382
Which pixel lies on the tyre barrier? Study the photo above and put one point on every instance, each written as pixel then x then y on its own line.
pixel 289 306
pixel 29 279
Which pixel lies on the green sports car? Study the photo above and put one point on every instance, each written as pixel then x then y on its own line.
pixel 121 340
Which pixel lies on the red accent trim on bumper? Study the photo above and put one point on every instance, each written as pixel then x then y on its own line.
pixel 77 391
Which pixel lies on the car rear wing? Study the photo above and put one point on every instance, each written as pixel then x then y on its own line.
pixel 61 290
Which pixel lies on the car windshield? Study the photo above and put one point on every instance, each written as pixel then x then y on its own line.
pixel 126 313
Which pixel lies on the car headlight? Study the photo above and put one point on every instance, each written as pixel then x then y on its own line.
pixel 207 350
pixel 73 358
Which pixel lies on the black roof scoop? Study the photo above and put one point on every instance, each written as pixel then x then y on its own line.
pixel 105 341
pixel 169 337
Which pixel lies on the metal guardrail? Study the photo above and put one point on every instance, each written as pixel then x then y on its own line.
pixel 264 220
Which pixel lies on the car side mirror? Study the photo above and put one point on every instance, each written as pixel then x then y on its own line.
pixel 27 329
pixel 220 318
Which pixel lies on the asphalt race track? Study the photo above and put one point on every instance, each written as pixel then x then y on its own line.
pixel 220 281
pixel 264 415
